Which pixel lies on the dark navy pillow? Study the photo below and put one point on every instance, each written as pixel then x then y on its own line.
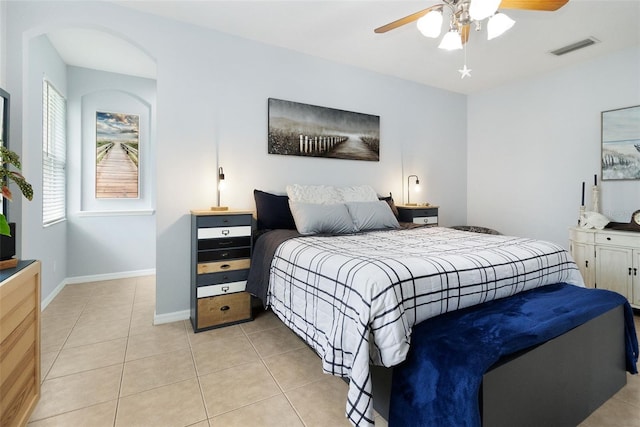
pixel 273 211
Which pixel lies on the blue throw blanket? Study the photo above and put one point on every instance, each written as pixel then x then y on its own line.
pixel 457 348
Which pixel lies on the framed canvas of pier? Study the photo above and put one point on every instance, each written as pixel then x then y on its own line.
pixel 297 129
pixel 117 168
pixel 621 143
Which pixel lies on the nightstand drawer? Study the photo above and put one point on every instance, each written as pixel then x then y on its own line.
pixel 223 309
pixel 220 266
pixel 424 212
pixel 425 220
pixel 219 255
pixel 221 289
pixel 223 221
pixel 223 232
pixel 223 243
pixel 225 277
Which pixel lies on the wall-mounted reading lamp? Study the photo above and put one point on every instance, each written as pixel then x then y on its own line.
pixel 220 188
pixel 409 190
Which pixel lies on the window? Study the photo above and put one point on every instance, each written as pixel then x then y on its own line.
pixel 54 145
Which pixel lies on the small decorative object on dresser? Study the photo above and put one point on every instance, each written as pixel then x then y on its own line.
pixel 418 214
pixel 220 260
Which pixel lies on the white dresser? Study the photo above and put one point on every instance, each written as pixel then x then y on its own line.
pixel 608 259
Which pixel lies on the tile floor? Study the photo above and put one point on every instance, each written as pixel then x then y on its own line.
pixel 105 364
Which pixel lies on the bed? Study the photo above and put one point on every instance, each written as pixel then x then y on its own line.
pixel 353 290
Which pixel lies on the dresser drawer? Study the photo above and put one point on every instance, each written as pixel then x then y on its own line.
pixel 425 220
pixel 222 254
pixel 221 289
pixel 223 221
pixel 223 309
pixel 224 277
pixel 617 239
pixel 224 243
pixel 223 232
pixel 582 235
pixel 221 266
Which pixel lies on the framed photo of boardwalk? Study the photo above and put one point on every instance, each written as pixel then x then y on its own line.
pixel 117 168
pixel 621 144
pixel 297 129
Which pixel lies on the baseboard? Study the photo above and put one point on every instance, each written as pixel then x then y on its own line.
pixel 110 276
pixel 45 302
pixel 95 278
pixel 159 319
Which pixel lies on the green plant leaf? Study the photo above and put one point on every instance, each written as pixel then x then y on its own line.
pixel 4 226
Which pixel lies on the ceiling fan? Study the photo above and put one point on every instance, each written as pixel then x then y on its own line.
pixel 467 12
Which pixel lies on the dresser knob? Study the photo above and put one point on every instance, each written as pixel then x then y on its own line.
pixel 224 308
pixel 225 266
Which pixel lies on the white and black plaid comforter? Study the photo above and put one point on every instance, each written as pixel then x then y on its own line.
pixel 354 298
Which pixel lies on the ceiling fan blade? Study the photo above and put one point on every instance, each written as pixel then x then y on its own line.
pixel 464 33
pixel 403 21
pixel 549 5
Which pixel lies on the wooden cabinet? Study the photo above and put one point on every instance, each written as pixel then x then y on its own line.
pixel 609 259
pixel 418 214
pixel 220 261
pixel 582 247
pixel 19 342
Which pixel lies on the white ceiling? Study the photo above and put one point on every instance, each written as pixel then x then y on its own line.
pixel 342 31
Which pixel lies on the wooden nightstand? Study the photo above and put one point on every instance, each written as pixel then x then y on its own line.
pixel 418 214
pixel 220 259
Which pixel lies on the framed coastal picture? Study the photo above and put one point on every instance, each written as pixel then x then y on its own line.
pixel 117 160
pixel 621 144
pixel 297 129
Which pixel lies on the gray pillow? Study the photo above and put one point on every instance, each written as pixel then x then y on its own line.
pixel 312 218
pixel 372 215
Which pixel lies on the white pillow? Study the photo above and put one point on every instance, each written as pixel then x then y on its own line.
pixel 312 218
pixel 358 193
pixel 319 194
pixel 372 215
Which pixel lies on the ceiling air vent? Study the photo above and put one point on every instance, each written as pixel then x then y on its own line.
pixel 575 46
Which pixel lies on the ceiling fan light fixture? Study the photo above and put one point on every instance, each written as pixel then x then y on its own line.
pixel 498 24
pixel 451 41
pixel 430 24
pixel 481 9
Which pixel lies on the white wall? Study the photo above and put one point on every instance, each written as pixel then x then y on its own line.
pixel 212 92
pixel 47 244
pixel 108 236
pixel 3 43
pixel 532 144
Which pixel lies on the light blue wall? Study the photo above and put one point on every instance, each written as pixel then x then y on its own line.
pixel 532 144
pixel 108 236
pixel 212 92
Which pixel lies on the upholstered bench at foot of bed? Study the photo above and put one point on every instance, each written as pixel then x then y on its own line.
pixel 558 363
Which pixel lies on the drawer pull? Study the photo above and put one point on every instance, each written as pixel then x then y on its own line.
pixel 635 271
pixel 608 238
pixel 225 289
pixel 225 232
pixel 629 271
pixel 224 308
pixel 225 242
pixel 225 266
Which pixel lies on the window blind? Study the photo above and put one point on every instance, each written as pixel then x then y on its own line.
pixel 54 146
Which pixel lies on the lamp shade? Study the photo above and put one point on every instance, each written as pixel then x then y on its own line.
pixel 481 9
pixel 430 24
pixel 451 41
pixel 498 24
